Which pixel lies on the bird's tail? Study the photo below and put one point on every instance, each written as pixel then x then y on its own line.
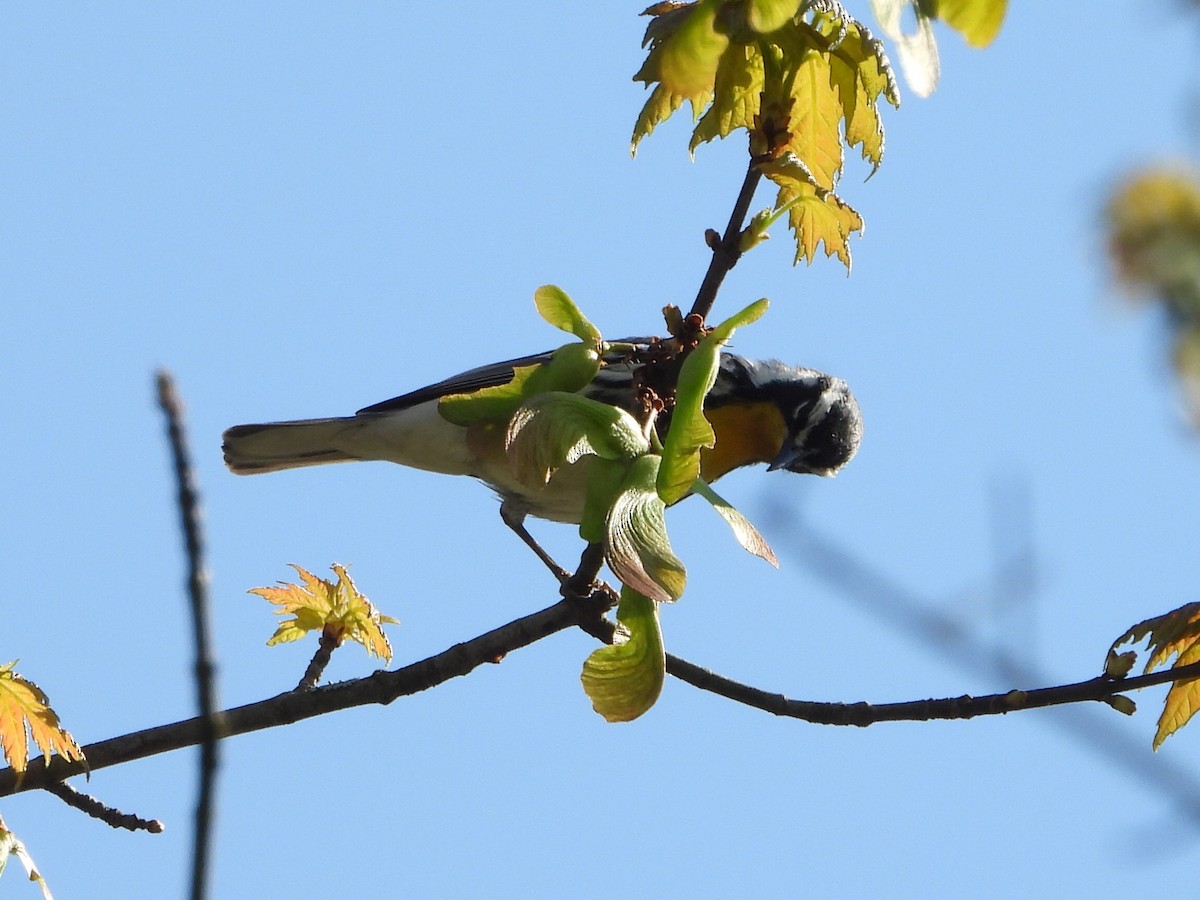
pixel 251 449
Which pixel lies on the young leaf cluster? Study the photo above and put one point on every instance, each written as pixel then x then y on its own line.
pixel 335 608
pixel 631 480
pixel 803 79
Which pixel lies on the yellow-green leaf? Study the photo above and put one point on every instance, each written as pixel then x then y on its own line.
pixel 978 21
pixel 637 548
pixel 1118 665
pixel 737 92
pixel 335 608
pixel 860 72
pixel 1182 701
pixel 767 15
pixel 570 368
pixel 685 53
pixel 1121 704
pixel 25 713
pixel 1175 634
pixel 625 679
pixel 816 119
pixel 690 56
pixel 490 404
pixel 815 215
pixel 560 311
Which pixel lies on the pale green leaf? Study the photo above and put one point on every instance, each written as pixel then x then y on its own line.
pixel 604 480
pixel 625 679
pixel 978 21
pixel 560 311
pixel 918 49
pixel 767 15
pixel 637 548
pixel 747 535
pixel 736 95
pixel 555 429
pixel 685 53
pixel 691 55
pixel 571 367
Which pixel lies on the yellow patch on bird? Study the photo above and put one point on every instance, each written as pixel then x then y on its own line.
pixel 747 433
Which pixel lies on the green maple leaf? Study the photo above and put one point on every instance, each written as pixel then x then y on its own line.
pixel 805 80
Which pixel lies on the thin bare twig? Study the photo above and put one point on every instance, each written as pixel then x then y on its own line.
pixel 727 251
pixel 97 810
pixel 317 664
pixel 205 669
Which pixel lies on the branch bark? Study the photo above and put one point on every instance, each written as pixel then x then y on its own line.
pixel 385 686
pixel 727 251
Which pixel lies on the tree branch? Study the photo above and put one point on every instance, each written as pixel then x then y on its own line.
pixel 97 810
pixel 964 707
pixel 588 614
pixel 727 251
pixel 382 687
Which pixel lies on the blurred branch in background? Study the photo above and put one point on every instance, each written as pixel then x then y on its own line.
pixel 994 636
pixel 188 500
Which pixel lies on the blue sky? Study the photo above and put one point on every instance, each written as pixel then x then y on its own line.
pixel 304 210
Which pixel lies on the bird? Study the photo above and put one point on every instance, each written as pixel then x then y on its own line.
pixel 791 418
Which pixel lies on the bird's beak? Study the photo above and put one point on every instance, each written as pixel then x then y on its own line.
pixel 788 455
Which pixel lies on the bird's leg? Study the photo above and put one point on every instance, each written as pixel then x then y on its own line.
pixel 585 580
pixel 583 584
pixel 514 518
